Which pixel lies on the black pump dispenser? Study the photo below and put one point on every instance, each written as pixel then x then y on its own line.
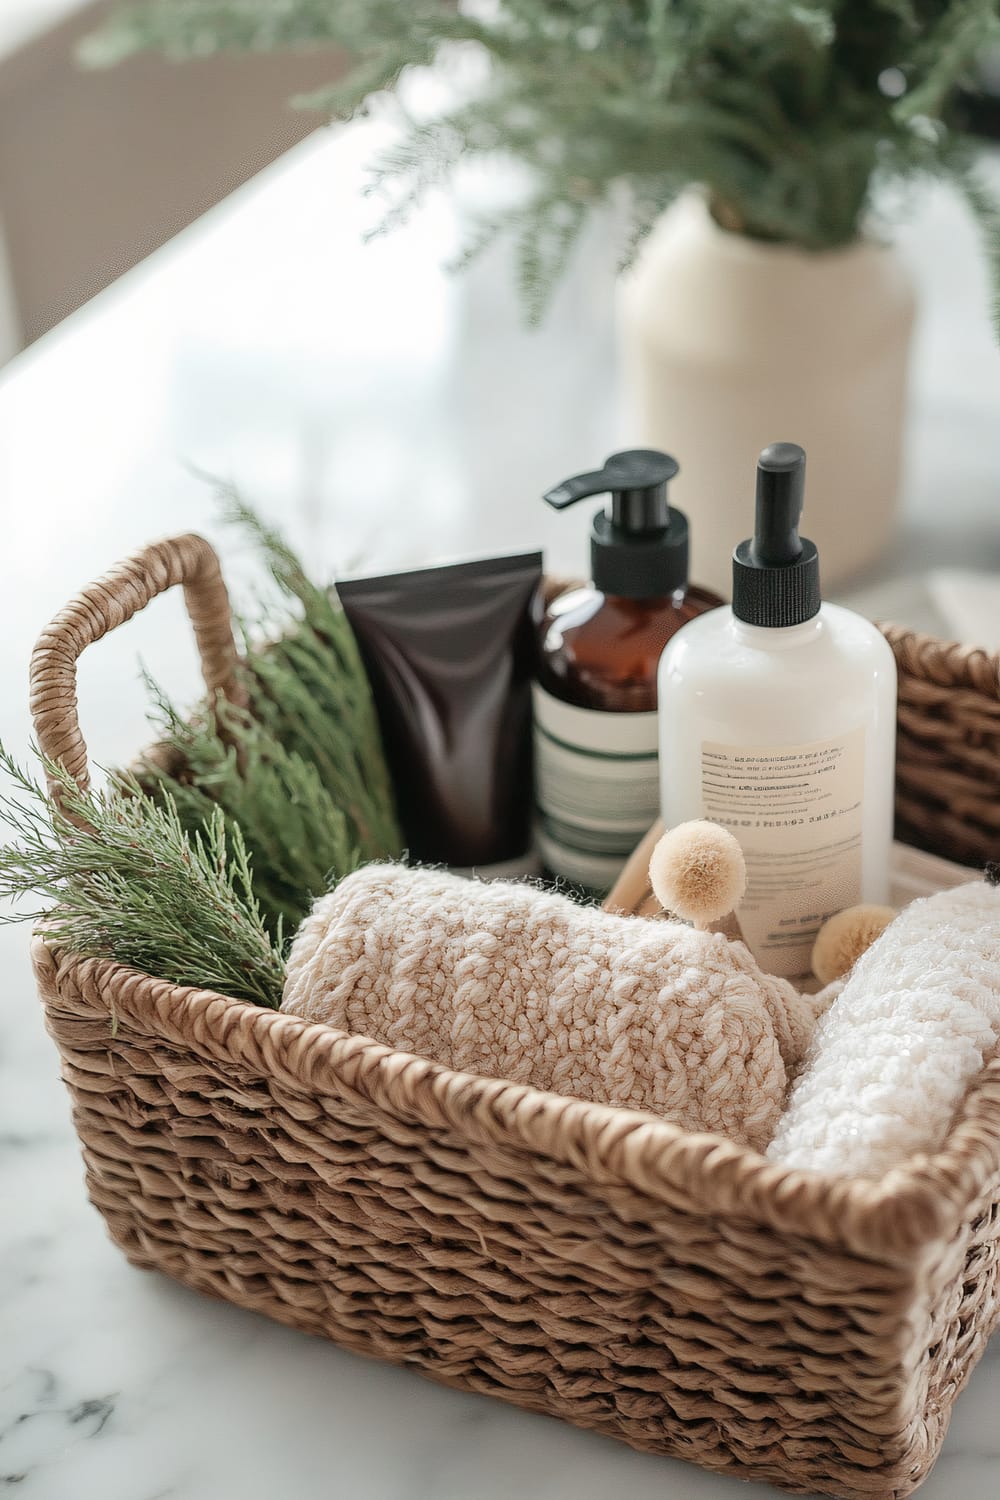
pixel 638 549
pixel 776 572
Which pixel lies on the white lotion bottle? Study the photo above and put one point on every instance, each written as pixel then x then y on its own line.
pixel 778 721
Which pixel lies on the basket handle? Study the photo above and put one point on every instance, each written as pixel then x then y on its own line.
pixel 101 607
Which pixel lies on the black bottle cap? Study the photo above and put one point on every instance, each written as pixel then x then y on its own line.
pixel 638 549
pixel 776 572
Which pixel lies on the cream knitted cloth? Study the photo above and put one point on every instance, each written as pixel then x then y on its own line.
pixel 525 985
pixel 893 1056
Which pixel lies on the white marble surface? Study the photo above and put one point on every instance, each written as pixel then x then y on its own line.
pixel 388 414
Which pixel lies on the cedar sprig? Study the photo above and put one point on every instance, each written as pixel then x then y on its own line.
pixel 301 769
pixel 194 865
pixel 133 884
pixel 224 764
pixel 309 687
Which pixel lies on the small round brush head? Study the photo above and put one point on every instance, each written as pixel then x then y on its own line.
pixel 843 938
pixel 697 872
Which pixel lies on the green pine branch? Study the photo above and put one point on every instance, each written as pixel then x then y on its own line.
pixel 300 771
pixel 224 764
pixel 135 886
pixel 194 865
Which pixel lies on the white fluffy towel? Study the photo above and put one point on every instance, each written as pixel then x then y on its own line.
pixel 891 1060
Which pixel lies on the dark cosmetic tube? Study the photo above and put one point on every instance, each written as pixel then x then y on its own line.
pixel 450 655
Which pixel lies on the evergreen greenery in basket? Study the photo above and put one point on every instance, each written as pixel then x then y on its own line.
pixel 789 113
pixel 196 864
pixel 300 771
pixel 136 886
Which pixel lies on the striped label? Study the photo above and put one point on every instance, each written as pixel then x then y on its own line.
pixel 597 788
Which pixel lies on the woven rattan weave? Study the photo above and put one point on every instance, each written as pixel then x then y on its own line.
pixel 668 1289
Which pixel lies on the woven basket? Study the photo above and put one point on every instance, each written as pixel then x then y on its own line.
pixel 672 1290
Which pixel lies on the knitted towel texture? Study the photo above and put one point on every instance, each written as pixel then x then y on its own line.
pixel 528 986
pixel 893 1056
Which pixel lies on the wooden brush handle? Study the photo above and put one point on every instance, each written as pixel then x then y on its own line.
pixel 632 892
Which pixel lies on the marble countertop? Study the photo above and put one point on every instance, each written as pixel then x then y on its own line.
pixel 367 402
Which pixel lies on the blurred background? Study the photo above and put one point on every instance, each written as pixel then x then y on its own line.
pixel 98 169
pixel 189 288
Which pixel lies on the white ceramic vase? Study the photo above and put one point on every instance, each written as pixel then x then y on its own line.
pixel 729 344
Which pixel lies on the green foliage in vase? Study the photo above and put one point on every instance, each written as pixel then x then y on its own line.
pixel 789 113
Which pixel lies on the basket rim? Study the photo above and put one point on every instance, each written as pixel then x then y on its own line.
pixel 947 663
pixel 896 1218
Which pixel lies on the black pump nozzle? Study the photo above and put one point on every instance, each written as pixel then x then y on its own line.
pixel 776 572
pixel 781 478
pixel 639 549
pixel 637 482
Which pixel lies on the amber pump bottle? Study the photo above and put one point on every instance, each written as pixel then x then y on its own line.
pixel 596 736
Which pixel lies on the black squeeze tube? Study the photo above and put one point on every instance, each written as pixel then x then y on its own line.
pixel 449 654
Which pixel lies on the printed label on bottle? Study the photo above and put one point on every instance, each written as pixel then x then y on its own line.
pixel 596 788
pixel 797 812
